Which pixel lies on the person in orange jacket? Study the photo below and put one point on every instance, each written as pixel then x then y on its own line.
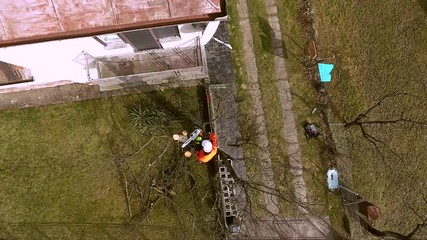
pixel 208 150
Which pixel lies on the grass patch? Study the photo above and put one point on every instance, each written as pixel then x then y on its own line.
pixel 295 45
pixel 381 49
pixel 62 173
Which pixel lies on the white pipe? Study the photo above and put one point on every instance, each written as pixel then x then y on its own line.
pixel 210 30
pixel 223 43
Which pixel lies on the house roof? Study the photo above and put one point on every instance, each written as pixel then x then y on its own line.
pixel 27 21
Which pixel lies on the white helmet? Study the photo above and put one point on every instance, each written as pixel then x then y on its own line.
pixel 207 146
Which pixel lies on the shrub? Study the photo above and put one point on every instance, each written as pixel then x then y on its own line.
pixel 151 120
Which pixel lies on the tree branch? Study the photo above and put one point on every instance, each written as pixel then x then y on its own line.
pixel 357 120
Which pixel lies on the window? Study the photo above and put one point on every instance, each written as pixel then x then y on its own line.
pixel 111 41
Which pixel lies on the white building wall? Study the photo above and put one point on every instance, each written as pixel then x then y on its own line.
pixel 62 60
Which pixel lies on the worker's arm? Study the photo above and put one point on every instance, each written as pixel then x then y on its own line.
pixel 213 139
pixel 199 154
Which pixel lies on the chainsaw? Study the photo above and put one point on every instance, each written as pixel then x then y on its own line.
pixel 192 137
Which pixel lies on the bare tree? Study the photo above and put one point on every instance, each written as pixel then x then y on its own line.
pixel 367 119
pixel 396 235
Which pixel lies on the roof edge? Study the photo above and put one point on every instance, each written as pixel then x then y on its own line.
pixel 115 28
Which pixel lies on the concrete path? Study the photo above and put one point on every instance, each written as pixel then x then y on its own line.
pixel 310 226
pixel 291 229
pixel 252 73
pixel 290 128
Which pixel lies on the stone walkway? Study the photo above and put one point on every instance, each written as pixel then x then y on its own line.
pixel 290 128
pixel 262 139
pixel 282 230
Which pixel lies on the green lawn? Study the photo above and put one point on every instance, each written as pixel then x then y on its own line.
pixel 381 48
pixel 78 170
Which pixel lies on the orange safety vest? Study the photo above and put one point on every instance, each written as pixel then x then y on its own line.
pixel 206 157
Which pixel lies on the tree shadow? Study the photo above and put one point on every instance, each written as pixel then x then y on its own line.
pixel 178 112
pixel 336 111
pixel 423 4
pixel 304 99
pixel 265 34
pixel 276 46
pixel 346 224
